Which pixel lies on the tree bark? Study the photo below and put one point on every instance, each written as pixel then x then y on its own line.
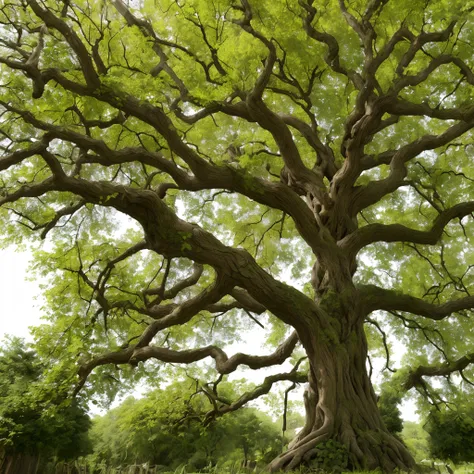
pixel 341 404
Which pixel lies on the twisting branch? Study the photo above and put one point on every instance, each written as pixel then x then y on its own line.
pixel 293 376
pixel 224 365
pixel 52 21
pixel 332 57
pixel 415 377
pixel 65 211
pixel 139 134
pixel 372 233
pixel 384 341
pixel 16 157
pixel 377 298
pixel 376 190
pixel 207 176
pixel 185 283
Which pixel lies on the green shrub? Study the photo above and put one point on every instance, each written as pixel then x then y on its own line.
pixel 331 457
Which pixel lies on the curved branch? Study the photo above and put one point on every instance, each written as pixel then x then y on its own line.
pixel 331 58
pixel 65 211
pixel 367 195
pixel 52 21
pixel 224 364
pixel 384 341
pixel 206 175
pixel 372 233
pixel 415 377
pixel 172 237
pixel 242 301
pixel 18 156
pixel 246 301
pixel 185 311
pixel 186 283
pixel 293 376
pixel 29 190
pixel 402 107
pixel 376 298
pixel 301 178
pixel 434 64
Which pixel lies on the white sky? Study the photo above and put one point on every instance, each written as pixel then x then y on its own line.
pixel 20 305
pixel 18 308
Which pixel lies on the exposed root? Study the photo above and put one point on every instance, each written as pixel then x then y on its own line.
pixel 299 453
pixel 341 405
pixel 368 450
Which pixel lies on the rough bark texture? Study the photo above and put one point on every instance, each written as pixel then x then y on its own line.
pixel 340 404
pixel 340 401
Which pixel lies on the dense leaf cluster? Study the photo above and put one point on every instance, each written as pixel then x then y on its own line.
pixel 452 434
pixel 164 428
pixel 35 419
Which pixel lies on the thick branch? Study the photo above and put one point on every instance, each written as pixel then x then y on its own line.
pixel 184 312
pixel 415 378
pixel 206 175
pixel 399 233
pixel 224 364
pixel 52 21
pixel 377 298
pixel 374 191
pixel 332 56
pixel 164 233
pixel 18 156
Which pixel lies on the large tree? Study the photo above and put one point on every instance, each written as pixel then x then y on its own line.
pixel 309 162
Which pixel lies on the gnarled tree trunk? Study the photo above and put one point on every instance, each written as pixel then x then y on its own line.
pixel 341 405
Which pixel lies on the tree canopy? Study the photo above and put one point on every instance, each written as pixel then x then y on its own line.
pixel 198 169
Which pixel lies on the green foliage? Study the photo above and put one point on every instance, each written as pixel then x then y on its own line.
pixel 388 403
pixel 292 132
pixel 416 439
pixel 34 418
pixel 331 456
pixel 452 433
pixel 166 428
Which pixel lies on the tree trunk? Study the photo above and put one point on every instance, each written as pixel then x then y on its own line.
pixel 341 405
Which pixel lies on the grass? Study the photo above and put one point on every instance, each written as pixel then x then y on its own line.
pixel 236 469
pixel 467 468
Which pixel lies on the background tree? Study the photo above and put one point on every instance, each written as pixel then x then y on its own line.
pixel 388 403
pixel 200 167
pixel 165 428
pixel 416 439
pixel 451 434
pixel 34 420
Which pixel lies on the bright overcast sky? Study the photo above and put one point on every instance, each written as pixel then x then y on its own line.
pixel 18 308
